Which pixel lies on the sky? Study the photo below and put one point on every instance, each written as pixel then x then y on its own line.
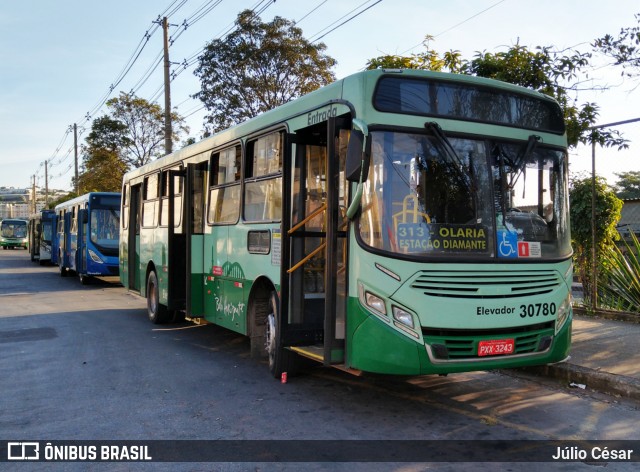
pixel 62 59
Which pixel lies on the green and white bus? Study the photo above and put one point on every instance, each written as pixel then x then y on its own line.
pixel 398 222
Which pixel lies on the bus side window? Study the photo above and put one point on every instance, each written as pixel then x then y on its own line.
pixel 124 221
pixel 224 193
pixel 263 186
pixel 150 204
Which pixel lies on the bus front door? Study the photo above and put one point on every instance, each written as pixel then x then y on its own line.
pixel 314 244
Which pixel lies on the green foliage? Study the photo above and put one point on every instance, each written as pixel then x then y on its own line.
pixel 103 171
pixel 62 199
pixel 628 185
pixel 620 288
pixel 607 215
pixel 108 133
pixel 144 124
pixel 451 61
pixel 623 50
pixel 257 67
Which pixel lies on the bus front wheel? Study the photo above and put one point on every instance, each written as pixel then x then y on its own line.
pixel 158 313
pixel 280 360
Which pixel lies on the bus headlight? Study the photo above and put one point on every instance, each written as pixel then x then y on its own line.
pixel 95 257
pixel 403 317
pixel 374 302
pixel 563 312
pixel 371 301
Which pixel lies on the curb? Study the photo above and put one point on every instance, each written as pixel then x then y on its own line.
pixel 603 382
pixel 607 314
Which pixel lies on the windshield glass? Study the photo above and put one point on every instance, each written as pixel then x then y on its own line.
pixel 432 196
pixel 105 224
pixel 14 229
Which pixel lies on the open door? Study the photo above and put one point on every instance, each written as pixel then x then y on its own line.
pixel 133 244
pixel 187 220
pixel 177 241
pixel 314 243
pixel 81 253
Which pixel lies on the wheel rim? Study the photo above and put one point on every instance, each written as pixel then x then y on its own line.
pixel 153 304
pixel 270 339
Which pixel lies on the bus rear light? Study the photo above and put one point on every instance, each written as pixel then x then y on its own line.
pixel 95 257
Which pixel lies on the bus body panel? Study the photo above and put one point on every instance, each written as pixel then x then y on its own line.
pixel 13 233
pixel 224 267
pixel 87 235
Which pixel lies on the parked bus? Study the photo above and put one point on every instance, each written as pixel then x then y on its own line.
pixel 40 229
pixel 398 222
pixel 87 235
pixel 13 233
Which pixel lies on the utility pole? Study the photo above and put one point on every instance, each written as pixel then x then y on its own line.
pixel 33 192
pixel 168 144
pixel 75 148
pixel 46 184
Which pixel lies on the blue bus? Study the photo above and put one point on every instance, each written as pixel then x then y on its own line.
pixel 41 228
pixel 88 235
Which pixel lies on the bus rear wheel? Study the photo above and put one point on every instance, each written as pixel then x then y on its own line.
pixel 63 269
pixel 158 313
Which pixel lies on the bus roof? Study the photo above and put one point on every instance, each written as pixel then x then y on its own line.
pixel 348 89
pixel 84 198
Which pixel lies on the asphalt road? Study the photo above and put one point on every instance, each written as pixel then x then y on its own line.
pixel 84 363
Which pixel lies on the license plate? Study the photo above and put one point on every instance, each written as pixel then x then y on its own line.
pixel 496 347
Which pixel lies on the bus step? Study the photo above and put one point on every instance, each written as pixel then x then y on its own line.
pixel 312 352
pixel 316 353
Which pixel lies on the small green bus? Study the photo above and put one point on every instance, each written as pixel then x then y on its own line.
pixel 394 221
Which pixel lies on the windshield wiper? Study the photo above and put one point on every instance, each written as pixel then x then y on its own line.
pixel 452 156
pixel 518 166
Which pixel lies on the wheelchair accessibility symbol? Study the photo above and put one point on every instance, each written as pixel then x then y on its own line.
pixel 507 244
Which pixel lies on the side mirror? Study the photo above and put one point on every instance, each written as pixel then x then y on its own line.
pixel 353 166
pixel 358 153
pixel 358 160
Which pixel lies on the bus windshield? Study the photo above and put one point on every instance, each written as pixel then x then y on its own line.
pixel 14 229
pixel 105 224
pixel 432 196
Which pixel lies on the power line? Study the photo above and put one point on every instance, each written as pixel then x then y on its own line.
pixel 316 38
pixel 456 25
pixel 310 12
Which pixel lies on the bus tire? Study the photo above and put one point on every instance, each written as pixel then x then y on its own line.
pixel 158 314
pixel 63 270
pixel 85 279
pixel 280 360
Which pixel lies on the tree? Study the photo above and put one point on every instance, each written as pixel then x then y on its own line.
pixel 624 50
pixel 144 122
pixel 103 163
pixel 102 171
pixel 451 61
pixel 257 67
pixel 628 185
pixel 607 215
pixel 108 133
